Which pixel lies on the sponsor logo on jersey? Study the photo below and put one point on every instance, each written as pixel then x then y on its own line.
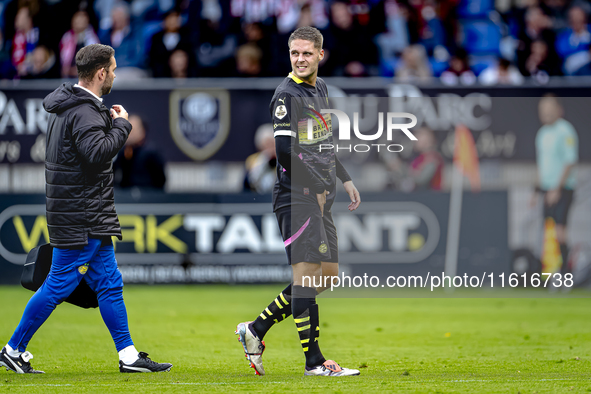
pixel 286 125
pixel 321 128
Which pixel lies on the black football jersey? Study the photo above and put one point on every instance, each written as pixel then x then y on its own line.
pixel 294 106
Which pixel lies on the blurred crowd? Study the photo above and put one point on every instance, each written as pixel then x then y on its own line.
pixel 459 41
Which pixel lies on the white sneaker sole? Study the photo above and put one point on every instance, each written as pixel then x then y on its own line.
pixel 258 365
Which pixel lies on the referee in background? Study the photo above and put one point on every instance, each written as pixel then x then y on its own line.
pixel 83 137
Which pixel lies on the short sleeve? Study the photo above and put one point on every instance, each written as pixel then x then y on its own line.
pixel 570 144
pixel 281 114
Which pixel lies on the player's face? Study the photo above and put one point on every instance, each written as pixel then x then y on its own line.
pixel 549 111
pixel 109 77
pixel 304 59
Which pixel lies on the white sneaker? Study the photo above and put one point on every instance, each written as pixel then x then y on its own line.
pixel 330 368
pixel 253 346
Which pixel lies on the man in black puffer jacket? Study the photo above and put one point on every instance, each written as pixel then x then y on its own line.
pixel 83 137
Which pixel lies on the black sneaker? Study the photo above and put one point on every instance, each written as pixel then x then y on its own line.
pixel 144 364
pixel 18 364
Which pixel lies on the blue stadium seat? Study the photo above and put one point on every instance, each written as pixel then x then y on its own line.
pixel 148 30
pixel 480 36
pixel 388 67
pixel 479 63
pixel 438 66
pixel 475 8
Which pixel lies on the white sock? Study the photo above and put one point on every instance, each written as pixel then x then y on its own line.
pixel 11 352
pixel 129 355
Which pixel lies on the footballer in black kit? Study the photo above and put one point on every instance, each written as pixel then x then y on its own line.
pixel 303 197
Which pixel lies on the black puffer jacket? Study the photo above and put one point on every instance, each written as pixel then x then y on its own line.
pixel 82 141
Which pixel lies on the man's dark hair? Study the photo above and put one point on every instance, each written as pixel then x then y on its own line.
pixel 92 58
pixel 307 33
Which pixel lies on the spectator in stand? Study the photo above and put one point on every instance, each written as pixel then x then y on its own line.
pixel 248 60
pixel 179 65
pixel 6 69
pixel 25 41
pixel 395 38
pixel 44 65
pixel 352 50
pixel 294 13
pixel 503 73
pixel 540 65
pixel 257 35
pixel 414 66
pixel 261 166
pixel 80 35
pixel 572 45
pixel 123 39
pixel 138 164
pixel 431 32
pixel 214 37
pixel 537 28
pixel 585 70
pixel 164 43
pixel 459 71
pixel 426 170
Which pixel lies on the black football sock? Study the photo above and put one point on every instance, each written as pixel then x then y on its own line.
pixel 305 316
pixel 276 312
pixel 564 252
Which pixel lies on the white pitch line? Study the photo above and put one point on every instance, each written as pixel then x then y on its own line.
pixel 138 384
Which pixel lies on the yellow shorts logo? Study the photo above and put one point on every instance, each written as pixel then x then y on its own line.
pixel 323 248
pixel 82 269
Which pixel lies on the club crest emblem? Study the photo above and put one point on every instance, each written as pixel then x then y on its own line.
pixel 82 269
pixel 323 248
pixel 199 121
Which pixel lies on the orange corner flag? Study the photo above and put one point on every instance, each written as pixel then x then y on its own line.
pixel 466 156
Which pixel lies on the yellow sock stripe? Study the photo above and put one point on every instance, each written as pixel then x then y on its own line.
pixel 283 299
pixel 263 316
pixel 303 319
pixel 278 303
pixel 305 340
pixel 268 311
pixel 305 349
pixel 303 328
pixel 317 328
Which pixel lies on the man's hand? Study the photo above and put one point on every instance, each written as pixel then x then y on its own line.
pixel 322 200
pixel 552 197
pixel 353 195
pixel 117 111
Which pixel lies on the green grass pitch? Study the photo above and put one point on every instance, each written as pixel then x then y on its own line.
pixel 400 345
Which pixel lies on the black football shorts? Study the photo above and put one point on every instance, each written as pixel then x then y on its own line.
pixel 307 235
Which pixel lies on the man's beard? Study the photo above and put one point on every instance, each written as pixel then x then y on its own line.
pixel 106 89
pixel 305 76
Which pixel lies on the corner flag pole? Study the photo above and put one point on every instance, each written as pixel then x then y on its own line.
pixel 465 162
pixel 453 223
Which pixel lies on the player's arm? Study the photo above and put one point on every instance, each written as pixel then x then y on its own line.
pixel 570 148
pixel 350 188
pixel 294 166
